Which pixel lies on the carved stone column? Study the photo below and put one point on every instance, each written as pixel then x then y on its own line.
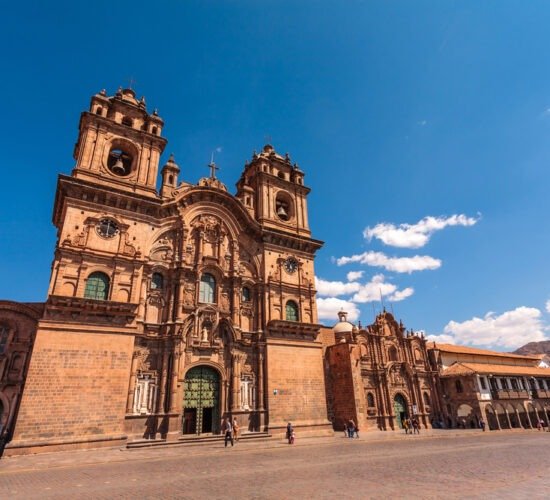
pixel 132 385
pixel 161 404
pixel 142 297
pixel 260 383
pixel 175 375
pixel 235 379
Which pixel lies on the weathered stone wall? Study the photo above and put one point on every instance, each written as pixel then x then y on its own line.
pixel 296 386
pixel 76 388
pixel 342 384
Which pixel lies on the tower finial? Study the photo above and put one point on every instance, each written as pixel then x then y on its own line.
pixel 213 167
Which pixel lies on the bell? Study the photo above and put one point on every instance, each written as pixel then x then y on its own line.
pixel 118 167
pixel 281 212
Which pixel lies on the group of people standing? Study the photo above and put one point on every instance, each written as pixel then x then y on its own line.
pixel 411 425
pixel 230 431
pixel 351 429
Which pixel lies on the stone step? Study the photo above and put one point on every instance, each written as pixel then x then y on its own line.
pixel 195 440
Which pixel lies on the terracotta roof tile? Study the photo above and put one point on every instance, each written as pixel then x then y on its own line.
pixel 457 369
pixel 462 349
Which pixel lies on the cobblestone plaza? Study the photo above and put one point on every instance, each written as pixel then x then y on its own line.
pixel 439 464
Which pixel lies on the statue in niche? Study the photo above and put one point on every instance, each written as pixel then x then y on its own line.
pixel 204 334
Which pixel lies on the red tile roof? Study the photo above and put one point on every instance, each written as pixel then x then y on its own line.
pixel 458 369
pixel 461 349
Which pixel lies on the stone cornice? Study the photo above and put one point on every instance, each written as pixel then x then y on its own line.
pixel 81 310
pixel 85 191
pixel 291 241
pixel 33 310
pixel 292 330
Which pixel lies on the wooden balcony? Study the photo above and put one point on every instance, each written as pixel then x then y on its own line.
pixel 509 394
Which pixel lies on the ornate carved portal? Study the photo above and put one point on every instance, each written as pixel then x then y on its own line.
pixel 201 404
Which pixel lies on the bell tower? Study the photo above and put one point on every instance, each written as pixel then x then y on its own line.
pixel 119 143
pixel 272 189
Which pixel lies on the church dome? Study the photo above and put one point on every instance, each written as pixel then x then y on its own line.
pixel 343 326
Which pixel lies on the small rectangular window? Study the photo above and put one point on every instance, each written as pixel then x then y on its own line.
pixel 483 383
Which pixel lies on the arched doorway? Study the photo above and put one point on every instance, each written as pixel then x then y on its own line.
pixel 465 416
pixel 492 421
pixel 201 401
pixel 501 416
pixel 400 410
pixel 533 418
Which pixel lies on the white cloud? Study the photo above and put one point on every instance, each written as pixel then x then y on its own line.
pixel 328 309
pixel 401 294
pixel 422 123
pixel 354 275
pixel 415 235
pixel 335 288
pixel 510 330
pixel 374 290
pixel 548 306
pixel 396 264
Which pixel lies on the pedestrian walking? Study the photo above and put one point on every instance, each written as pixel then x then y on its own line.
pixel 351 428
pixel 290 433
pixel 236 430
pixel 540 423
pixel 415 426
pixel 482 425
pixel 406 425
pixel 227 428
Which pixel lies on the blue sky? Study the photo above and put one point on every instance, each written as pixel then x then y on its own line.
pixel 396 111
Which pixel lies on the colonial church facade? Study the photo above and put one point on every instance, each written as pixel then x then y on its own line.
pixel 379 375
pixel 168 309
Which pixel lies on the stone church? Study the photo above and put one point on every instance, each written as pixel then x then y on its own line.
pixel 379 375
pixel 168 309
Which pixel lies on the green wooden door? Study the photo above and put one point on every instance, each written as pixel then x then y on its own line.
pixel 400 410
pixel 202 394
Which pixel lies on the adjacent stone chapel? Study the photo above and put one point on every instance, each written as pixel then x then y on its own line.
pixel 168 310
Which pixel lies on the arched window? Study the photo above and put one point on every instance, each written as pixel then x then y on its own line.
pixel 291 311
pixel 458 386
pixel 207 292
pixel 154 130
pixel 99 111
pixel 3 338
pixel 370 400
pixel 426 399
pixel 392 353
pixel 246 294
pixel 157 281
pixel 97 286
pixel 127 121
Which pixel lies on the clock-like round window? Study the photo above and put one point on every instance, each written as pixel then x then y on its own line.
pixel 107 228
pixel 291 265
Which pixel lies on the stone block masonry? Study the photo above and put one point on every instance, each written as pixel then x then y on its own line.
pixel 296 387
pixel 76 390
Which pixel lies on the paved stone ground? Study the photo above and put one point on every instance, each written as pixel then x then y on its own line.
pixel 433 465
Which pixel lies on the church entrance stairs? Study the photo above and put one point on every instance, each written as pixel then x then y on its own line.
pixel 188 440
